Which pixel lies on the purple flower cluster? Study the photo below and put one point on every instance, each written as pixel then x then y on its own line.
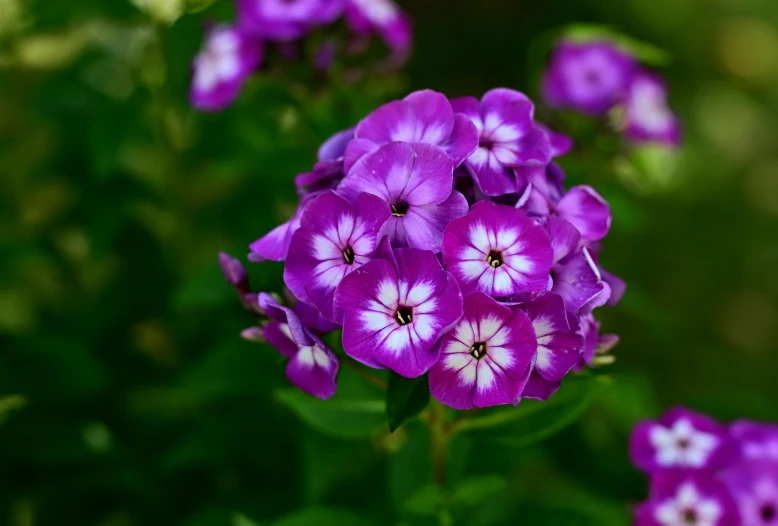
pixel 597 77
pixel 233 52
pixel 707 474
pixel 438 235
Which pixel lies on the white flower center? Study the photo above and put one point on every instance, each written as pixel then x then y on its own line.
pixel 682 445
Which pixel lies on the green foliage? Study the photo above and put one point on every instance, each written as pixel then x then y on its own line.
pixel 643 51
pixel 126 395
pixel 532 421
pixel 323 517
pixel 336 417
pixel 405 398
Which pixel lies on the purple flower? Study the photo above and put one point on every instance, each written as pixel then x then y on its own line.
pixel 577 279
pixel 486 359
pixel 594 343
pixel 685 498
pixel 383 17
pixel 394 315
pixel 508 138
pixel 497 250
pixel 585 209
pixel 234 272
pixel 228 58
pixel 559 344
pixel 334 239
pixel 274 245
pixel 284 20
pixel 416 181
pixel 754 486
pixel 647 116
pixel 328 171
pixel 680 439
pixel 423 116
pixel 587 76
pixel 312 366
pixel 756 441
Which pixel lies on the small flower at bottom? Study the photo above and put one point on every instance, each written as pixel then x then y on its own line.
pixel 486 359
pixel 680 439
pixel 757 440
pixel 687 498
pixel 754 486
pixel 335 238
pixel 393 316
pixel 312 366
pixel 497 250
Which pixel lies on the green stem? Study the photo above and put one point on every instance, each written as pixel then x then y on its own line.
pixel 438 442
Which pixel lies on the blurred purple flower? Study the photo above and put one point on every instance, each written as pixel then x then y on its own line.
pixel 587 76
pixel 229 56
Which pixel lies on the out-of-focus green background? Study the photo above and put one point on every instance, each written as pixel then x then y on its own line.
pixel 126 396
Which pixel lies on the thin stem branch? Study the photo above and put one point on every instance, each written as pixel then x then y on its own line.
pixel 438 442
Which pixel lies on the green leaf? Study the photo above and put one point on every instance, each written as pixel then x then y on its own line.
pixel 336 417
pixel 532 420
pixel 643 51
pixel 426 502
pixel 9 404
pixel 473 490
pixel 323 517
pixel 405 398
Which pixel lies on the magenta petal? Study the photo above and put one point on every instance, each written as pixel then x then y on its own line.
pixel 564 237
pixel 335 239
pixel 497 250
pixel 535 147
pixel 463 140
pixel 560 347
pixel 277 334
pixel 578 281
pixel 434 117
pixel 424 225
pixel 335 147
pixel 587 211
pixel 485 358
pixel 355 150
pixel 394 121
pixel 394 318
pixel 538 388
pixel 491 176
pixel 511 106
pixel 314 369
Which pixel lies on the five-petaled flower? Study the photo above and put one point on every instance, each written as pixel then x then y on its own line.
pixel 334 239
pixel 685 498
pixel 487 358
pixel 416 181
pixel 680 439
pixel 498 250
pixel 508 137
pixel 394 313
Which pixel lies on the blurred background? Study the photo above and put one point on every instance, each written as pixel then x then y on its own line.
pixel 126 395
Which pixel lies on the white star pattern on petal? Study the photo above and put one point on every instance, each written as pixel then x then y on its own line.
pixel 688 508
pixel 682 445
